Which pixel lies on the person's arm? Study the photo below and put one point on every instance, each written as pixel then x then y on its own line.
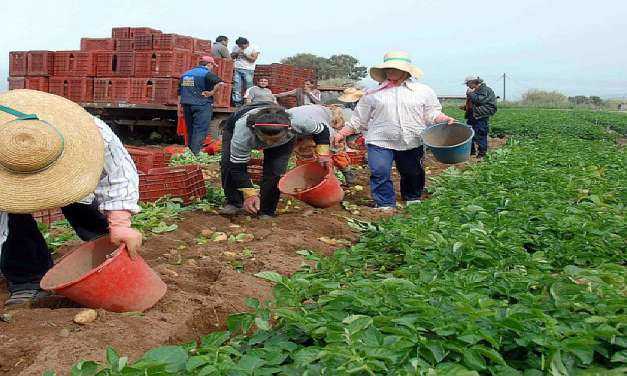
pixel 235 52
pixel 433 110
pixel 480 97
pixel 224 52
pixel 252 56
pixel 211 79
pixel 286 93
pixel 247 96
pixel 314 96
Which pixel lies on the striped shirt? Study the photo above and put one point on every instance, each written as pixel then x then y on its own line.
pixel 306 121
pixel 393 118
pixel 118 188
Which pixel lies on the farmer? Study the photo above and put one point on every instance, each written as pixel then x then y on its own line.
pixel 259 93
pixel 350 96
pixel 245 55
pixel 54 154
pixel 480 105
pixel 220 49
pixel 196 89
pixel 274 130
pixel 393 115
pixel 308 94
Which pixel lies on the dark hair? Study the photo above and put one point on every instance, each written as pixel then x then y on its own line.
pixel 203 63
pixel 270 115
pixel 221 38
pixel 241 40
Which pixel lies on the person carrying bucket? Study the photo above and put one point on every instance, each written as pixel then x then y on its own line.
pixel 274 130
pixel 54 154
pixel 392 116
pixel 480 105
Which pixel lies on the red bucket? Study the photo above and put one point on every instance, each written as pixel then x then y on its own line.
pixel 312 184
pixel 99 274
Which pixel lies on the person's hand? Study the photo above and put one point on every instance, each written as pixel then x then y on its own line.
pixel 470 91
pixel 252 204
pixel 325 160
pixel 443 118
pixel 338 139
pixel 120 231
pixel 206 94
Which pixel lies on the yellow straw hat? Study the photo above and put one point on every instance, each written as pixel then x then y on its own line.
pixel 398 60
pixel 51 152
pixel 351 95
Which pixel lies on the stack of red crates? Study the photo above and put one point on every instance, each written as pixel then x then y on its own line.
pixel 135 65
pixel 283 77
pixel 184 182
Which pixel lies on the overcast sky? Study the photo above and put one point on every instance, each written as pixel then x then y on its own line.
pixel 574 46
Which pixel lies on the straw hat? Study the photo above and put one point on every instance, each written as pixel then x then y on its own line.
pixel 398 60
pixel 351 95
pixel 51 152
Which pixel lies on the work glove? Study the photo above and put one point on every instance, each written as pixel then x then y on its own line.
pixel 341 135
pixel 324 155
pixel 252 202
pixel 120 231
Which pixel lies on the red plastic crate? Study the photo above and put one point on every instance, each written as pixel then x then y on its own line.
pixel 74 63
pixel 115 64
pixel 124 44
pixel 142 90
pixel 97 44
pixel 121 33
pixel 185 182
pixel 77 89
pixel 111 89
pixel 17 83
pixel 37 83
pixel 40 63
pixel 143 42
pixel 148 157
pixel 169 64
pixel 171 41
pixel 224 70
pixel 201 45
pixel 222 96
pixel 166 91
pixel 18 63
pixel 357 157
pixel 143 31
pixel 48 216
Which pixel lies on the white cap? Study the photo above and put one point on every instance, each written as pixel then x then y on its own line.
pixel 472 77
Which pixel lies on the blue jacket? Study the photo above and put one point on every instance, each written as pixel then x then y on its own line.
pixel 194 82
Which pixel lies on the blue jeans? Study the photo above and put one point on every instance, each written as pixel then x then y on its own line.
pixel 480 126
pixel 240 76
pixel 409 166
pixel 197 119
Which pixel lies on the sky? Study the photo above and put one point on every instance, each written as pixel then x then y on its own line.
pixel 576 47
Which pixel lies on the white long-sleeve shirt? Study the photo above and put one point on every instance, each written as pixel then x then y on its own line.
pixel 118 188
pixel 393 118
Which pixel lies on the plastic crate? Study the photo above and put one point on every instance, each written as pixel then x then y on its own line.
pixel 143 42
pixel 357 157
pixel 148 157
pixel 40 63
pixel 142 90
pixel 224 70
pixel 166 91
pixel 37 83
pixel 74 63
pixel 143 31
pixel 97 44
pixel 222 96
pixel 167 64
pixel 121 32
pixel 170 42
pixel 201 45
pixel 184 182
pixel 124 44
pixel 115 64
pixel 48 216
pixel 111 90
pixel 18 63
pixel 17 83
pixel 77 89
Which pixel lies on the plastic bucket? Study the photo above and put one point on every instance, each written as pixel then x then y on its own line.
pixel 449 143
pixel 99 274
pixel 312 184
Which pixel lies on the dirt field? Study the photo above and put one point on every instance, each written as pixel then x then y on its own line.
pixel 205 282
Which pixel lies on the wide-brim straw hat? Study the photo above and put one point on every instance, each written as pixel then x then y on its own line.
pixel 51 152
pixel 400 60
pixel 351 95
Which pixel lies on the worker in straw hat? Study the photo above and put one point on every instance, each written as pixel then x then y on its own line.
pixel 350 96
pixel 54 154
pixel 393 116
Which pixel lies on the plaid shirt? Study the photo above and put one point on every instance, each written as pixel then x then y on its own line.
pixel 393 118
pixel 118 188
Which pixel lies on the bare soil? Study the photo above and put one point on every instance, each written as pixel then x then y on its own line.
pixel 206 282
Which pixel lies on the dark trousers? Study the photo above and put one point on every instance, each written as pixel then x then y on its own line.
pixel 409 166
pixel 481 128
pixel 25 256
pixel 197 119
pixel 275 161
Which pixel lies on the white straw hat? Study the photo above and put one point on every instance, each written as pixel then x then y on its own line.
pixel 51 152
pixel 351 95
pixel 398 60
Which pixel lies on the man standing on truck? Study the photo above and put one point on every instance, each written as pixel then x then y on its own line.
pixel 220 48
pixel 245 55
pixel 196 89
pixel 480 105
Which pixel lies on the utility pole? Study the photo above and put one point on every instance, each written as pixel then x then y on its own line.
pixel 504 79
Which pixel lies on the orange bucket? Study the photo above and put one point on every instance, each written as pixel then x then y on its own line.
pixel 312 184
pixel 99 274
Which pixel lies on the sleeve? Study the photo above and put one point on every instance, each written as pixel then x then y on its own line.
pixel 432 107
pixel 241 148
pixel 311 124
pixel 212 79
pixel 224 52
pixel 324 137
pixel 480 97
pixel 361 115
pixel 247 93
pixel 118 188
pixel 315 96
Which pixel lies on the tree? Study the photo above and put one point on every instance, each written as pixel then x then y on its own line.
pixel 337 66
